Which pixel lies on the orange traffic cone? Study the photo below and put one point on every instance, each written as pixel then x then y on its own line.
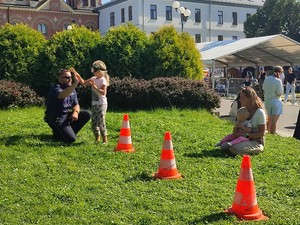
pixel 167 166
pixel 124 143
pixel 245 204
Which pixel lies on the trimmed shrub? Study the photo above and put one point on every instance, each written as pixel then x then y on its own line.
pixel 69 48
pixel 14 94
pixel 122 50
pixel 20 48
pixel 164 92
pixel 172 54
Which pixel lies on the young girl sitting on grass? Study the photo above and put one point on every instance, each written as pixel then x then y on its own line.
pixel 243 124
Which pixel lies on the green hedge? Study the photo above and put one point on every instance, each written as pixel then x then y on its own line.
pixel 164 92
pixel 15 94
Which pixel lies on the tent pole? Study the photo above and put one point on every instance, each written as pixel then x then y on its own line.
pixel 213 75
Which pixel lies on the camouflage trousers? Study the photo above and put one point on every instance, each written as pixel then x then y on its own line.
pixel 98 119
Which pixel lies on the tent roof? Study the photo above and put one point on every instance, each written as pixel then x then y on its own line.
pixel 259 51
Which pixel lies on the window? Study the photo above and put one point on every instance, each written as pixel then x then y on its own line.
pixel 234 37
pixel 129 13
pixel 220 37
pixel 122 15
pixel 153 12
pixel 198 15
pixel 85 3
pixel 71 3
pixel 248 15
pixel 112 19
pixel 42 28
pixel 198 38
pixel 93 3
pixel 234 18
pixel 220 17
pixel 168 13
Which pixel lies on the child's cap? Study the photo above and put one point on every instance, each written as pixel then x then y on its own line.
pixel 99 65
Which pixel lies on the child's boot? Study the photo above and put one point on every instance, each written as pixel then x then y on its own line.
pixel 97 137
pixel 104 138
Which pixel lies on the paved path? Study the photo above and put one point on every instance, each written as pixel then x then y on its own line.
pixel 286 123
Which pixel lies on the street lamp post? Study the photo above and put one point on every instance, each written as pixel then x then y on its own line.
pixel 184 12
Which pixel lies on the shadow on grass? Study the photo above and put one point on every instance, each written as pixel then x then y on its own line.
pixel 208 153
pixel 211 218
pixel 43 139
pixel 141 177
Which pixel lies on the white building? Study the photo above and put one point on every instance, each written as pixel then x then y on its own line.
pixel 210 20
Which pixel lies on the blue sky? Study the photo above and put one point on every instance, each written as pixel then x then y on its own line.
pixel 105 1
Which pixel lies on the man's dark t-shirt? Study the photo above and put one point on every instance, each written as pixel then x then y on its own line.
pixel 58 107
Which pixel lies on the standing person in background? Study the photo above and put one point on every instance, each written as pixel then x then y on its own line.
pixel 261 78
pixel 63 113
pixel 282 78
pixel 99 83
pixel 273 90
pixel 235 106
pixel 290 86
pixel 248 80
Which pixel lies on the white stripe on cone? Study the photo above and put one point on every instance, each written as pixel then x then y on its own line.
pixel 125 124
pixel 168 145
pixel 170 164
pixel 125 139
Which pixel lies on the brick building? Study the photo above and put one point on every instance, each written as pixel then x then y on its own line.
pixel 50 16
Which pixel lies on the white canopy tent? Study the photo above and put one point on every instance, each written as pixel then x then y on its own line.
pixel 259 51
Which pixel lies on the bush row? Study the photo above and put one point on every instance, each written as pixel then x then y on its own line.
pixel 27 57
pixel 163 92
pixel 15 94
pixel 126 94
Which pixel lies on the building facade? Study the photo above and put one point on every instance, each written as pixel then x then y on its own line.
pixel 210 20
pixel 50 16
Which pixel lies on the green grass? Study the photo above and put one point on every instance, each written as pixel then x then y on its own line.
pixel 46 182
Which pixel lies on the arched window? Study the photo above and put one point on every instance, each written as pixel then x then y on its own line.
pixel 93 3
pixel 42 28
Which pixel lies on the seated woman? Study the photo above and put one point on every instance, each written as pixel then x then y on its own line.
pixel 257 118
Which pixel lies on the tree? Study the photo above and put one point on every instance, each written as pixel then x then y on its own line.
pixel 275 17
pixel 20 48
pixel 76 48
pixel 173 54
pixel 122 50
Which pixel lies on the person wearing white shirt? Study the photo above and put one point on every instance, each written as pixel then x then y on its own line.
pixel 273 90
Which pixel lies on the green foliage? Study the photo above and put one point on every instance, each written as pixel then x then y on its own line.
pixel 14 94
pixel 275 17
pixel 20 47
pixel 27 57
pixel 123 47
pixel 171 54
pixel 163 92
pixel 70 48
pixel 46 182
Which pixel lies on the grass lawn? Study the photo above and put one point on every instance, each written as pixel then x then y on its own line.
pixel 46 182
